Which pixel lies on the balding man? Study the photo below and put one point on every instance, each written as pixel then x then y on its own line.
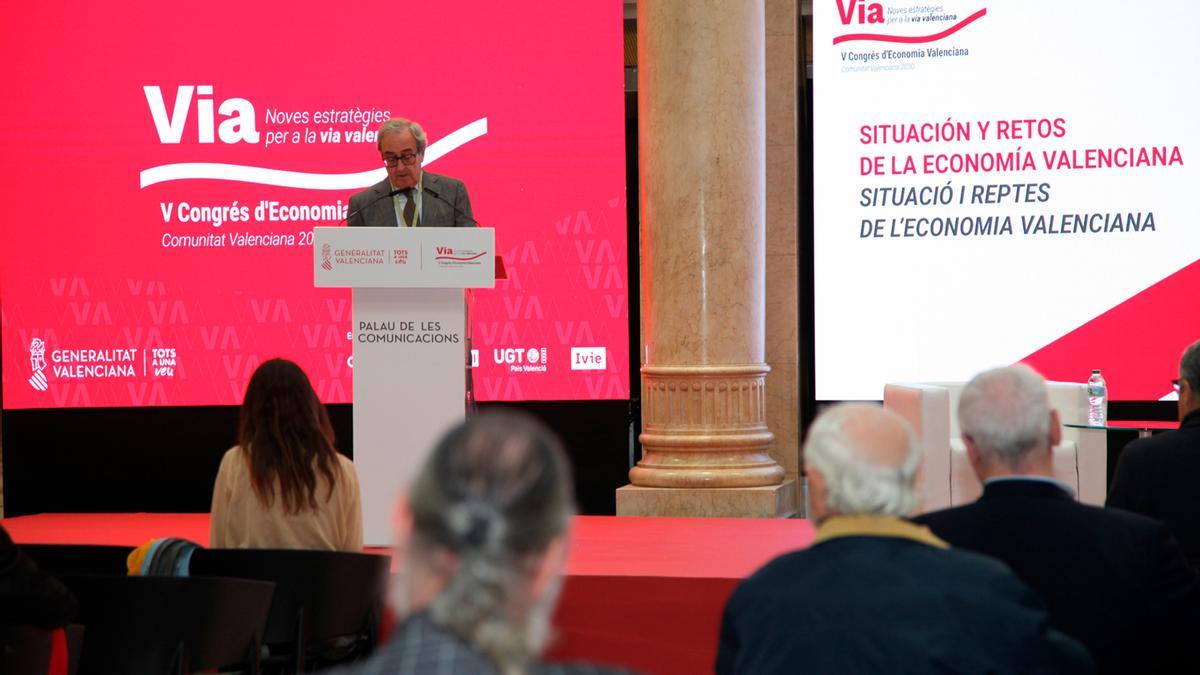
pixel 876 593
pixel 1115 581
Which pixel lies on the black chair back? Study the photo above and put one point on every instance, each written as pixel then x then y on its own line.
pixel 169 624
pixel 78 559
pixel 30 650
pixel 319 595
pixel 25 649
pixel 74 634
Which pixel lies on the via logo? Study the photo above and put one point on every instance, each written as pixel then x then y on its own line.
pixel 858 11
pixel 238 124
pixel 37 362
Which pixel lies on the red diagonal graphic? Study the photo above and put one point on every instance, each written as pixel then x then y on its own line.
pixel 1137 343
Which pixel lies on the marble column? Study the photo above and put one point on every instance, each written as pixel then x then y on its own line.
pixel 702 147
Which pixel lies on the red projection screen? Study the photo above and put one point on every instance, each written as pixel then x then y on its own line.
pixel 164 166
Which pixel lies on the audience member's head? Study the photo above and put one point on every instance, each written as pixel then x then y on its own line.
pixel 482 536
pixel 285 431
pixel 1189 380
pixel 1007 423
pixel 861 460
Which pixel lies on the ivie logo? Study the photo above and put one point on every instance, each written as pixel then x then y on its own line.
pixel 589 358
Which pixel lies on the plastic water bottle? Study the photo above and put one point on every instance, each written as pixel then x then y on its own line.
pixel 1097 400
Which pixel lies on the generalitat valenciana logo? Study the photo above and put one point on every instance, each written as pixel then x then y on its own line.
pixel 37 362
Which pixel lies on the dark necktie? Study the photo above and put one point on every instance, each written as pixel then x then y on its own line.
pixel 410 208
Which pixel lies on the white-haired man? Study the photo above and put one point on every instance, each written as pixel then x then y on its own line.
pixel 876 593
pixel 1157 476
pixel 1115 581
pixel 418 198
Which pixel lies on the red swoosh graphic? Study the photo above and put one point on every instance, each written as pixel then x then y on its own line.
pixel 879 37
pixel 450 257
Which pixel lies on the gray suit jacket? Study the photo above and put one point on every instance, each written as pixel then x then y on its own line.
pixel 371 208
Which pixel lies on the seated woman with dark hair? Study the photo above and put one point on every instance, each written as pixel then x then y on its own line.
pixel 285 485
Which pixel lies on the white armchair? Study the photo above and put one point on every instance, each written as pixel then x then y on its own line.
pixel 1081 460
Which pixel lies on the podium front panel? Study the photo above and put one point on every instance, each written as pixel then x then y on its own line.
pixel 409 356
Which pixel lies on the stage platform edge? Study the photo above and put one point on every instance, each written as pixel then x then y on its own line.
pixel 641 592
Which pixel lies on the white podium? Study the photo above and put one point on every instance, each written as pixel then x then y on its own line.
pixel 410 335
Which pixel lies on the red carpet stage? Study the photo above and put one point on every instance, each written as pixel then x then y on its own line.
pixel 645 593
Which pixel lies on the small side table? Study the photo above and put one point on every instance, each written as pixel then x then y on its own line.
pixel 1143 428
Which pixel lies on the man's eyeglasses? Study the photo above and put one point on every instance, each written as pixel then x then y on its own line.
pixel 409 158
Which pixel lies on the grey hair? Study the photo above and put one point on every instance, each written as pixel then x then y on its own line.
pixel 855 486
pixel 1189 366
pixel 1006 413
pixel 397 125
pixel 495 493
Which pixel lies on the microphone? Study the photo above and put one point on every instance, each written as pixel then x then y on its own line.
pixel 457 211
pixel 393 193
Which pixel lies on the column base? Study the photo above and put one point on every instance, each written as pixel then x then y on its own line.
pixel 773 501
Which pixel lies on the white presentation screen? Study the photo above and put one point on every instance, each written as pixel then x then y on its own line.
pixel 999 182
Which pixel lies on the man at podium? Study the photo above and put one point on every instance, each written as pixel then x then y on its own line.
pixel 418 198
